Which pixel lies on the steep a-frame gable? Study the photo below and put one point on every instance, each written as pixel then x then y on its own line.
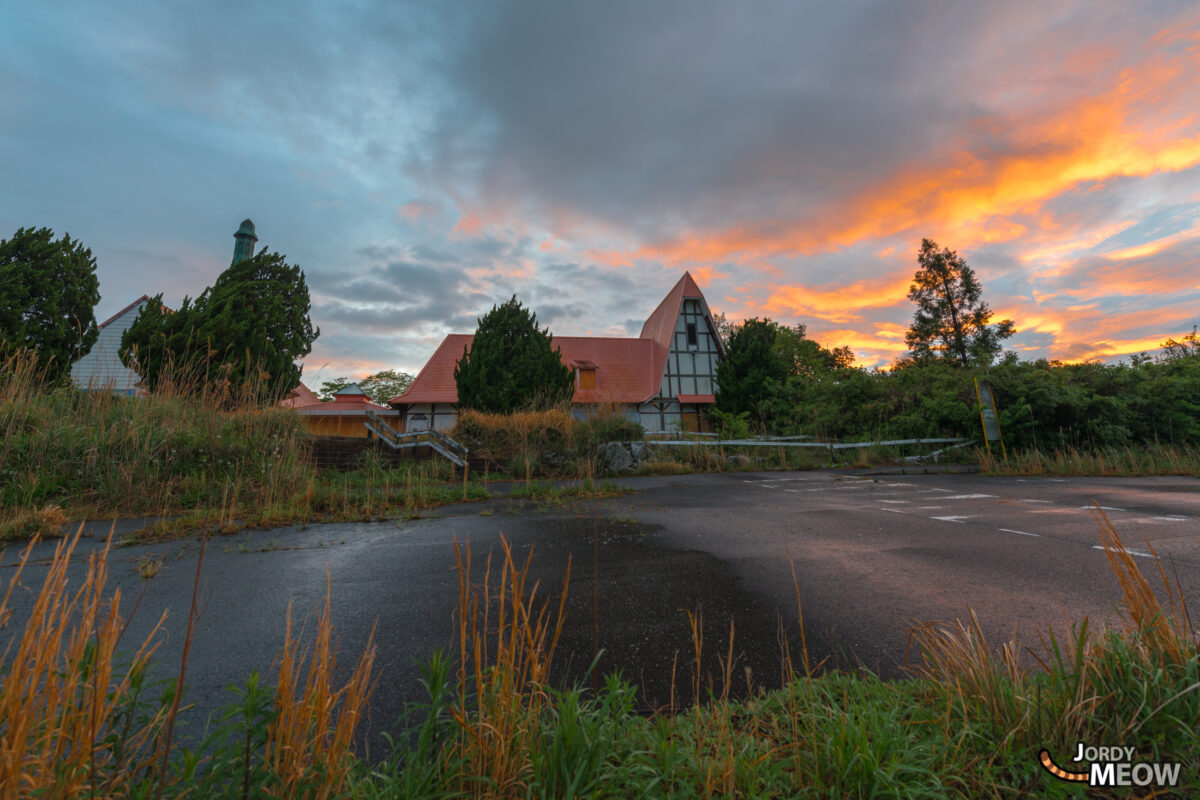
pixel 688 345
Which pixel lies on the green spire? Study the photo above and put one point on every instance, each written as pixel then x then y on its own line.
pixel 244 248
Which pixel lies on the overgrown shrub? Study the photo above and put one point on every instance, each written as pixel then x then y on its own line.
pixel 607 427
pixel 1041 404
pixel 134 455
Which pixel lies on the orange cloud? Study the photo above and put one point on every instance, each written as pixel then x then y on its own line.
pixel 415 211
pixel 1119 132
pixel 839 303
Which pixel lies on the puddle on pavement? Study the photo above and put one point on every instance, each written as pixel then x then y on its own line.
pixel 629 599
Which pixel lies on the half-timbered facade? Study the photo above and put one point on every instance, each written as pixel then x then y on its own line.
pixel 665 378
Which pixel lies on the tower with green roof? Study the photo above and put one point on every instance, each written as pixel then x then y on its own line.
pixel 244 247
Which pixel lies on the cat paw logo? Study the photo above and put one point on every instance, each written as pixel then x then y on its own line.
pixel 1113 766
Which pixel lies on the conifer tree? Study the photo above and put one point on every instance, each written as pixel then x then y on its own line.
pixel 951 321
pixel 48 293
pixel 243 333
pixel 511 364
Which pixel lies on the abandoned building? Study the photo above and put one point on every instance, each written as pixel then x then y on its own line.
pixel 665 378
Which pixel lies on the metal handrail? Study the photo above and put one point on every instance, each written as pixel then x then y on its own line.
pixel 453 451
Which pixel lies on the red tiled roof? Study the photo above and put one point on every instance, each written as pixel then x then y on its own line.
pixel 697 398
pixel 627 370
pixel 435 382
pixel 299 397
pixel 624 369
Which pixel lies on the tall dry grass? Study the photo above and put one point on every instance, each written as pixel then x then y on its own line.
pixel 1111 685
pixel 1155 459
pixel 79 719
pixel 506 646
pixel 551 442
pixel 68 721
pixel 310 740
pixel 179 448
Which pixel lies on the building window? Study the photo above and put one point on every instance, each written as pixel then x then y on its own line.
pixel 693 341
pixel 587 377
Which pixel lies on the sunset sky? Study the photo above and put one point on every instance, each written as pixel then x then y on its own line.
pixel 424 161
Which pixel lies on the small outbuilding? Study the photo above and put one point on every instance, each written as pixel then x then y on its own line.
pixel 344 415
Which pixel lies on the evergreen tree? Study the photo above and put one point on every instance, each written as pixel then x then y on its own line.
pixel 951 321
pixel 511 365
pixel 754 369
pixel 242 334
pixel 48 290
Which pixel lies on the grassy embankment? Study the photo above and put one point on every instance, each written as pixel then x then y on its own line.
pixel 67 454
pixel 77 720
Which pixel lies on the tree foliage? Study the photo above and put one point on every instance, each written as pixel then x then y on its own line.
pixel 764 367
pixel 332 386
pixel 951 321
pixel 385 384
pixel 379 387
pixel 48 290
pixel 511 364
pixel 753 370
pixel 243 334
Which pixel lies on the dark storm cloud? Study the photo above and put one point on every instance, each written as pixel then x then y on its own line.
pixel 395 292
pixel 649 113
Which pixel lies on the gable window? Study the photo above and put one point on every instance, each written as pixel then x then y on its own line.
pixel 693 341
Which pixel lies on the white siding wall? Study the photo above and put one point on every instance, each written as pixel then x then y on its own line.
pixel 101 368
pixel 423 416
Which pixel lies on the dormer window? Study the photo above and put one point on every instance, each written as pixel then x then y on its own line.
pixel 586 370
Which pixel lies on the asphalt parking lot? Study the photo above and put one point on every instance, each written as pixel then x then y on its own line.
pixel 872 555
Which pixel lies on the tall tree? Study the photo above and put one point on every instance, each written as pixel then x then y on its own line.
pixel 243 333
pixel 48 292
pixel 332 386
pixel 511 364
pixel 755 368
pixel 805 357
pixel 385 384
pixel 951 321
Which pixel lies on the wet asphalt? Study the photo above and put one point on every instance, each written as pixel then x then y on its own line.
pixel 872 556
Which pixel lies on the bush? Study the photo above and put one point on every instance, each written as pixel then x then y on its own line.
pixel 607 427
pixel 520 436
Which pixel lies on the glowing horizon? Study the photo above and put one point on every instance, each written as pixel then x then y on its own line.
pixel 422 165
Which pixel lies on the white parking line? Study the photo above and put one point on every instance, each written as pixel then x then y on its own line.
pixel 1105 508
pixel 893 501
pixel 894 510
pixel 1035 501
pixel 967 496
pixel 930 508
pixel 1138 553
pixel 1172 518
pixel 954 519
pixel 1023 533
